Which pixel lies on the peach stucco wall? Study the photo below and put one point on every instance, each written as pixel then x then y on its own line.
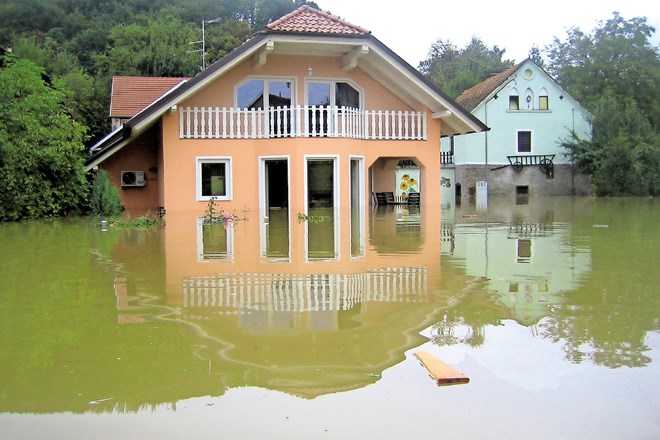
pixel 143 154
pixel 179 155
pixel 172 161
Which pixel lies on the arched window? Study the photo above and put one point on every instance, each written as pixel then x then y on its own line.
pixel 544 104
pixel 514 100
pixel 529 99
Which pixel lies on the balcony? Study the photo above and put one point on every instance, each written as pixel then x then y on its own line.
pixel 447 157
pixel 301 121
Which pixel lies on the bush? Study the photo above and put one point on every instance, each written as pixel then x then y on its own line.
pixel 105 199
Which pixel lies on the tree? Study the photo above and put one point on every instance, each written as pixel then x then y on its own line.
pixel 41 146
pixel 105 200
pixel 225 37
pixel 617 56
pixel 614 73
pixel 455 70
pixel 623 154
pixel 152 47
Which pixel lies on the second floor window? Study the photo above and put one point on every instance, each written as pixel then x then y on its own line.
pixel 264 93
pixel 332 93
pixel 524 142
pixel 514 100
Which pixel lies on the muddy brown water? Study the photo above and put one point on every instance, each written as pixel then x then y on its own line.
pixel 306 327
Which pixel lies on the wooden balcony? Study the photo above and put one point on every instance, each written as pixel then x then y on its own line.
pixel 301 121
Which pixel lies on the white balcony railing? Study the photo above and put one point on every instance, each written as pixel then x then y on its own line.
pixel 300 121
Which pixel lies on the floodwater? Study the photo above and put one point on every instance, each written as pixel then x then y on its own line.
pixel 306 327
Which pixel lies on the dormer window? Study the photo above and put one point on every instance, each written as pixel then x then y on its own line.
pixel 514 100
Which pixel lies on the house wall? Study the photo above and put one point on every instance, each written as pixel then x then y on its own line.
pixel 179 155
pixel 548 127
pixel 143 154
pixel 566 180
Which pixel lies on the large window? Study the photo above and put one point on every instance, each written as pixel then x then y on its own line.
pixel 251 93
pixel 332 93
pixel 524 142
pixel 273 94
pixel 214 178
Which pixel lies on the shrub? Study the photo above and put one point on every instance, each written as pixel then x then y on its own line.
pixel 105 199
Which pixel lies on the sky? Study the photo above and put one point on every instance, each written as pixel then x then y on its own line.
pixel 410 27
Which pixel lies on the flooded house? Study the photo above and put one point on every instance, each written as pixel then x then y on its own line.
pixel 290 137
pixel 529 115
pixel 312 111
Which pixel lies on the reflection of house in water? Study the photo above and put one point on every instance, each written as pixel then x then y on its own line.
pixel 529 264
pixel 260 297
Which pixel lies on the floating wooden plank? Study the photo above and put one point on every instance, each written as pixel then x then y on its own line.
pixel 440 372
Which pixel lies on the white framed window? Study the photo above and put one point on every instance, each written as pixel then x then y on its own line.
pixel 333 93
pixel 263 93
pixel 213 178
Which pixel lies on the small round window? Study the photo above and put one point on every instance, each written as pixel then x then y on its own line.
pixel 528 73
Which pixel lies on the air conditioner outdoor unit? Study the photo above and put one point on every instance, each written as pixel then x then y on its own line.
pixel 132 178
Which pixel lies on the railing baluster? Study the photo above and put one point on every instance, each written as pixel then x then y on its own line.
pixel 203 120
pixel 407 130
pixel 387 125
pixel 224 122
pixel 216 130
pixel 231 122
pixel 195 122
pixel 425 127
pixel 181 110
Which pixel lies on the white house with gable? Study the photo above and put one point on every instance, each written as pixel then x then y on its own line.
pixel 529 115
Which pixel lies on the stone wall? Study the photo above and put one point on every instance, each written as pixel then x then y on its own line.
pixel 566 180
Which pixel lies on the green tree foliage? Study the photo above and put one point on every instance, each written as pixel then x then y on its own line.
pixel 623 154
pixel 152 47
pixel 455 70
pixel 617 57
pixel 615 73
pixel 225 37
pixel 41 146
pixel 105 200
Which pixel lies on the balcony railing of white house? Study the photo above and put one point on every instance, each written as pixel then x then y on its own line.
pixel 300 121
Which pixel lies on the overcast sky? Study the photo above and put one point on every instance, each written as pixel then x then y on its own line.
pixel 410 27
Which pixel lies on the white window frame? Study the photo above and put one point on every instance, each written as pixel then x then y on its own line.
pixel 335 203
pixel 229 184
pixel 333 82
pixel 267 80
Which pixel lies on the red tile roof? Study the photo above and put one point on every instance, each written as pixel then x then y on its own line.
pixel 307 19
pixel 131 94
pixel 471 98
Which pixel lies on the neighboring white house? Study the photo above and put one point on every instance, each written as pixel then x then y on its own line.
pixel 529 115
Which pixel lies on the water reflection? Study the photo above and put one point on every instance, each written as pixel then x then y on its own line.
pixel 157 316
pixel 535 264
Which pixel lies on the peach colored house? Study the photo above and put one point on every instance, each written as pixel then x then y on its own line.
pixel 311 112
